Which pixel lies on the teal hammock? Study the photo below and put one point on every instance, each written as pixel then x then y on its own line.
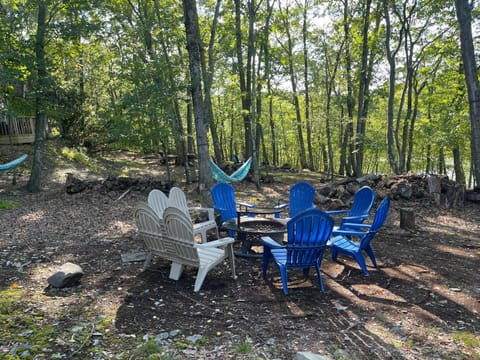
pixel 12 164
pixel 238 175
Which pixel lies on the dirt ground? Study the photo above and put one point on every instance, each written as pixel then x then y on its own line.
pixel 423 301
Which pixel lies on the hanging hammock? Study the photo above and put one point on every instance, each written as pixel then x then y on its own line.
pixel 12 164
pixel 238 175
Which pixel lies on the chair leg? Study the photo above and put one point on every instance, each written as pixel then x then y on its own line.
pixel 371 255
pixel 361 261
pixel 232 260
pixel 320 281
pixel 283 273
pixel 176 271
pixel 203 236
pixel 202 273
pixel 267 254
pixel 334 254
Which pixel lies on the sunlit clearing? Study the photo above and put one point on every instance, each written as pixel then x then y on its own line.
pixel 33 216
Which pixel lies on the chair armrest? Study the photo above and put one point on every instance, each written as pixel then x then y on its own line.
pixel 357 226
pixel 217 243
pixel 336 212
pixel 348 233
pixel 352 220
pixel 245 205
pixel 269 242
pixel 280 206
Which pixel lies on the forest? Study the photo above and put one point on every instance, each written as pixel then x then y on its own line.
pixel 340 87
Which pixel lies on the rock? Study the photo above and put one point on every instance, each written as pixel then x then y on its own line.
pixel 307 355
pixel 68 274
pixel 337 204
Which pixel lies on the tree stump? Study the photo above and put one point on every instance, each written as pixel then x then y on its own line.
pixel 435 188
pixel 407 218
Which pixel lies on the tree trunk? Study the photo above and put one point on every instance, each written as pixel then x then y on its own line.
pixel 207 82
pixel 457 166
pixel 391 94
pixel 471 77
pixel 194 49
pixel 244 89
pixel 293 81
pixel 40 101
pixel 307 92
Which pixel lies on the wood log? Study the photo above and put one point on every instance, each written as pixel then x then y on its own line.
pixel 407 218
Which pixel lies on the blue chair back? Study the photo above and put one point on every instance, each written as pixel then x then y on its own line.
pixel 378 220
pixel 363 201
pixel 302 195
pixel 308 233
pixel 223 196
pixel 362 205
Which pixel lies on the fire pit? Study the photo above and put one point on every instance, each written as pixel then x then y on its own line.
pixel 249 233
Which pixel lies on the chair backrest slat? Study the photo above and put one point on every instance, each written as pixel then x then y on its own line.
pixel 362 201
pixel 158 201
pixel 302 195
pixel 308 233
pixel 378 220
pixel 180 240
pixel 223 196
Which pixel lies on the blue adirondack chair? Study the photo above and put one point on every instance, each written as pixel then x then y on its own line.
pixel 223 196
pixel 307 235
pixel 301 196
pixel 362 205
pixel 343 240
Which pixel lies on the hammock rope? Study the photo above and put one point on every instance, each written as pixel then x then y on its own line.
pixel 238 175
pixel 12 164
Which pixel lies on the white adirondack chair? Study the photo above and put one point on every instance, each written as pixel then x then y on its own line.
pixel 151 230
pixel 177 199
pixel 158 201
pixel 183 250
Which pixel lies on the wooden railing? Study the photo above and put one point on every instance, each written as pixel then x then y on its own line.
pixel 17 131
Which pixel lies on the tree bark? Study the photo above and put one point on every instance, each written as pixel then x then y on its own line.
pixel 471 76
pixel 194 49
pixel 34 181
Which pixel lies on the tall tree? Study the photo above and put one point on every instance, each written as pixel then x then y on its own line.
pixel 40 98
pixel 293 82
pixel 471 77
pixel 194 49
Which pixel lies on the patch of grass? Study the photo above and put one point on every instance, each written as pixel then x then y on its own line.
pixel 152 351
pixel 9 204
pixel 469 339
pixel 79 157
pixel 243 348
pixel 23 327
pixel 181 345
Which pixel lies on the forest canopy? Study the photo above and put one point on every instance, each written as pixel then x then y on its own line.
pixel 342 87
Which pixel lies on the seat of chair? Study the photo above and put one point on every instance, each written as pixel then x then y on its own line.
pixel 345 244
pixel 210 256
